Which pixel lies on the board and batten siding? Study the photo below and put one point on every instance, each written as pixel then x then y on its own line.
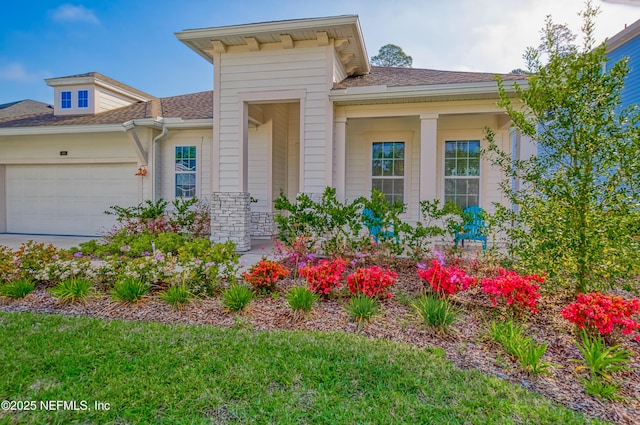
pixel 303 70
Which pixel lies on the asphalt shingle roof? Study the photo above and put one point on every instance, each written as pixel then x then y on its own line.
pixel 23 107
pixel 398 77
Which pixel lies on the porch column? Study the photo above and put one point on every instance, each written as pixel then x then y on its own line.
pixel 428 156
pixel 340 156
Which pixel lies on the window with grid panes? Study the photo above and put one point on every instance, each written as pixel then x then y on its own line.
pixel 462 172
pixel 185 170
pixel 387 169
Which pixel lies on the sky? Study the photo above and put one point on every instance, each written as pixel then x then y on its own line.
pixel 133 41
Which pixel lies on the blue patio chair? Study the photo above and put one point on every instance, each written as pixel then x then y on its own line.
pixel 473 228
pixel 377 228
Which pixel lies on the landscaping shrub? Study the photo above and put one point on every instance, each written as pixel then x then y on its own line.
pixel 515 290
pixel 153 269
pixel 371 282
pixel 62 268
pixel 8 265
pixel 32 257
pixel 16 289
pixel 236 297
pixel 129 290
pixel 512 339
pixel 265 274
pixel 205 266
pixel 323 277
pixel 445 280
pixel 602 314
pixel 72 290
pixel 435 311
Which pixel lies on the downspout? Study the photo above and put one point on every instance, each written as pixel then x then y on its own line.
pixel 154 155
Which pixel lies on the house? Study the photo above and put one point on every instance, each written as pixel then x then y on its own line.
pixel 626 43
pixel 295 107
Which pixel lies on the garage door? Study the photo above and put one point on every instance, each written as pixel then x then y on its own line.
pixel 67 199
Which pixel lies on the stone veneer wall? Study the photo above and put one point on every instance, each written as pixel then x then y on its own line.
pixel 262 224
pixel 231 219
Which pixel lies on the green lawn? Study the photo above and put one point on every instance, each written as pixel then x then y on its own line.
pixel 153 373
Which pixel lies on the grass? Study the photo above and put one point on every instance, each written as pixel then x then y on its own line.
pixel 300 298
pixel 435 312
pixel 177 296
pixel 236 297
pixel 129 290
pixel 72 290
pixel 17 289
pixel 362 308
pixel 176 374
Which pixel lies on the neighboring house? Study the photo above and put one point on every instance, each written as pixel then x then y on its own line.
pixel 295 107
pixel 23 107
pixel 626 43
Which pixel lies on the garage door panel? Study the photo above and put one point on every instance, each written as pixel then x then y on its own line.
pixel 67 199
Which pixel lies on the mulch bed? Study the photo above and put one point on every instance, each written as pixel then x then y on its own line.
pixel 466 345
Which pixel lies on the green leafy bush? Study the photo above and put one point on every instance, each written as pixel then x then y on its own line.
pixel 129 290
pixel 236 297
pixel 19 288
pixel 72 290
pixel 300 298
pixel 205 266
pixel 435 311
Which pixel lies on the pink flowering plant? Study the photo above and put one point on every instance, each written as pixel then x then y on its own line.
pixel 372 281
pixel 445 280
pixel 509 287
pixel 324 276
pixel 601 313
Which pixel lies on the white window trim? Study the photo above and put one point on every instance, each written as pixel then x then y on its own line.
pixel 466 137
pixel 391 136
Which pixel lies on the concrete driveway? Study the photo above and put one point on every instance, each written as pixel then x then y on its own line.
pixel 14 240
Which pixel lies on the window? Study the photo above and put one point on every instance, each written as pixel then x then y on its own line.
pixel 83 99
pixel 185 171
pixel 65 101
pixel 387 169
pixel 462 172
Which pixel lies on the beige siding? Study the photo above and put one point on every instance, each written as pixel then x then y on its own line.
pixel 338 70
pixel 108 100
pixel 281 70
pixel 201 139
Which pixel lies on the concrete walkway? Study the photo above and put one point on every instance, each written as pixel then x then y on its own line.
pixel 259 247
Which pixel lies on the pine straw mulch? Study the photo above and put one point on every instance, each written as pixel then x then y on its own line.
pixel 466 345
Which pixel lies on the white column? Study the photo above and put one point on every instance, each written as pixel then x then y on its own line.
pixel 243 155
pixel 428 156
pixel 340 156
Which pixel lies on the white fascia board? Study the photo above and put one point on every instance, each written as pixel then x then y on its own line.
pixel 61 129
pixel 384 92
pixel 277 26
pixel 85 80
pixel 200 123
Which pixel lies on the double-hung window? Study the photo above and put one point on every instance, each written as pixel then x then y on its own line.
pixel 65 100
pixel 388 169
pixel 185 170
pixel 83 98
pixel 462 172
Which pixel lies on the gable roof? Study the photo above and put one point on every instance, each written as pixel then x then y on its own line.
pixel 100 79
pixel 188 107
pixel 624 36
pixel 23 107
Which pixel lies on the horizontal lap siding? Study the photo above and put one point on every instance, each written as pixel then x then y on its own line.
pixel 296 69
pixel 631 90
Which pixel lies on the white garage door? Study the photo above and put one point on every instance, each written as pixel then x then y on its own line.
pixel 67 199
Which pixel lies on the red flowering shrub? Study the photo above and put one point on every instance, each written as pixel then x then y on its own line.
pixel 515 290
pixel 371 281
pixel 604 313
pixel 445 280
pixel 324 276
pixel 265 274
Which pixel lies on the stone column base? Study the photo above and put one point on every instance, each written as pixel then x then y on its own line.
pixel 231 219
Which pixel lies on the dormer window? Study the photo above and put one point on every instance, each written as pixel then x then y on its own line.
pixel 83 98
pixel 65 101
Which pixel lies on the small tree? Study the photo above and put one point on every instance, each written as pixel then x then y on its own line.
pixel 580 194
pixel 392 55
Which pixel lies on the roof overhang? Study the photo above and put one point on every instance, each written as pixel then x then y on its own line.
pixel 623 36
pixel 94 80
pixel 344 31
pixel 385 94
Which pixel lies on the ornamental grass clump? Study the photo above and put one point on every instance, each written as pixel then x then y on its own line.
pixel 177 295
pixel 362 308
pixel 129 290
pixel 435 312
pixel 72 290
pixel 17 289
pixel 301 299
pixel 371 282
pixel 445 280
pixel 265 274
pixel 520 346
pixel 236 297
pixel 517 291
pixel 323 277
pixel 603 314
